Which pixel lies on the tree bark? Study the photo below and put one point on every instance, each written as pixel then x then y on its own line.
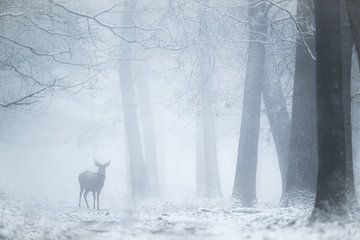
pixel 138 172
pixel 207 166
pixel 333 109
pixel 200 160
pixel 353 7
pixel 245 175
pixel 303 138
pixel 347 47
pixel 149 134
pixel 278 116
pixel 355 114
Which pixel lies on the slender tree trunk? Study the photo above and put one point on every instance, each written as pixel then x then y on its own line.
pixel 278 116
pixel 245 175
pixel 200 164
pixel 149 134
pixel 139 176
pixel 207 167
pixel 303 138
pixel 333 109
pixel 210 159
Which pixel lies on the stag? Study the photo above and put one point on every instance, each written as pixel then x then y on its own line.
pixel 92 182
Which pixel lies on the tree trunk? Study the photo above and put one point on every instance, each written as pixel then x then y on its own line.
pixel 207 166
pixel 278 116
pixel 303 138
pixel 355 114
pixel 139 176
pixel 333 109
pixel 149 134
pixel 347 47
pixel 353 7
pixel 245 175
pixel 200 164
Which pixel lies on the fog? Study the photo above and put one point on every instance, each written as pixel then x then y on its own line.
pixel 209 119
pixel 61 137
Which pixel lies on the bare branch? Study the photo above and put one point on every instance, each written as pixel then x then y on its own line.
pixel 11 14
pixel 53 56
pixel 298 27
pixel 112 29
pixel 27 99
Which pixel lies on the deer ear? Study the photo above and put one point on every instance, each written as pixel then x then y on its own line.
pixel 96 163
pixel 107 164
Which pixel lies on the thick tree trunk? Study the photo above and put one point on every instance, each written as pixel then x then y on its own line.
pixel 245 175
pixel 149 134
pixel 138 172
pixel 355 115
pixel 278 116
pixel 353 7
pixel 333 109
pixel 347 47
pixel 207 166
pixel 303 138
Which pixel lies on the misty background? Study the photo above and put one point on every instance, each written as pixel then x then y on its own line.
pixel 44 146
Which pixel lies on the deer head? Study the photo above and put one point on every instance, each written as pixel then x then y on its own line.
pixel 102 167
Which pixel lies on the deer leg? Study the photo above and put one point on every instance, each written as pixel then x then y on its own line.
pixel 81 193
pixel 98 197
pixel 85 197
pixel 94 197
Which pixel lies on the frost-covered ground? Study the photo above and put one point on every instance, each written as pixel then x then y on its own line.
pixel 162 219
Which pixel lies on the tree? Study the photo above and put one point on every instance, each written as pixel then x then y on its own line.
pixel 148 130
pixel 277 114
pixel 208 182
pixel 139 180
pixel 353 8
pixel 245 175
pixel 30 62
pixel 303 150
pixel 334 113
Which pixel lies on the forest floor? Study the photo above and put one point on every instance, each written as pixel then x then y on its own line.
pixel 162 219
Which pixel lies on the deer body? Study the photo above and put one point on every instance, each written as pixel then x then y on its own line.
pixel 92 182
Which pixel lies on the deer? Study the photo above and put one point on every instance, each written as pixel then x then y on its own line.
pixel 92 182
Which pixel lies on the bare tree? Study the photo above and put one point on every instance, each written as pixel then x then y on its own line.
pixel 40 46
pixel 335 176
pixel 353 8
pixel 302 150
pixel 277 114
pixel 138 172
pixel 148 129
pixel 245 175
pixel 207 166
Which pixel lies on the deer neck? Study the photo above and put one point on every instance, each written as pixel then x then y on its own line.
pixel 101 178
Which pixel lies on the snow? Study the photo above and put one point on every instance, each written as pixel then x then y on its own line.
pixel 35 218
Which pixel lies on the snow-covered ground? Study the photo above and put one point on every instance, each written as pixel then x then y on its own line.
pixel 161 219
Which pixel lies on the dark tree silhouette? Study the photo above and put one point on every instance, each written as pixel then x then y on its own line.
pixel 335 176
pixel 353 7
